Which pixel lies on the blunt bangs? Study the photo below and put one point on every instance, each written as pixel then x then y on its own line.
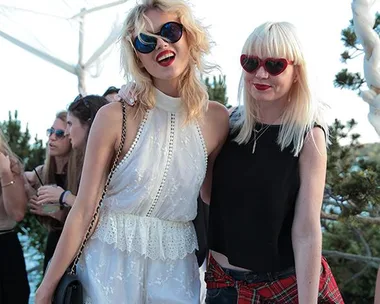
pixel 271 40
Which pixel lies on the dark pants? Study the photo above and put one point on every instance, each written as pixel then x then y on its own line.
pixel 14 285
pixel 51 243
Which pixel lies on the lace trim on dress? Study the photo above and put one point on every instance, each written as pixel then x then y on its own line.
pixel 203 145
pixel 168 163
pixel 151 237
pixel 135 141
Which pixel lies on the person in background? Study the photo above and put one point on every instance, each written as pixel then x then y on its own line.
pixel 268 183
pixel 80 116
pixel 49 180
pixel 14 285
pixel 111 94
pixel 143 247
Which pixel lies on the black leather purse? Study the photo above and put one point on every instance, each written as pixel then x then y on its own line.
pixel 69 289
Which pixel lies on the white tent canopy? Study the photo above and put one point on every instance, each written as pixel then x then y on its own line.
pixel 45 28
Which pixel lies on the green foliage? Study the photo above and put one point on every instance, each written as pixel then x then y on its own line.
pixel 356 280
pixel 345 79
pixel 352 189
pixel 217 89
pixel 31 155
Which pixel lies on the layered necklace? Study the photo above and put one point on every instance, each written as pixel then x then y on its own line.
pixel 258 133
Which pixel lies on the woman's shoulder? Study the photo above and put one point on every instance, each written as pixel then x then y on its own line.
pixel 113 112
pixel 217 114
pixel 217 109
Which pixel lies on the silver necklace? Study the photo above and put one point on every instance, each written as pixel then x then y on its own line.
pixel 258 133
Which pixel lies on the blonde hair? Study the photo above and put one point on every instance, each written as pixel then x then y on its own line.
pixel 48 177
pixel 192 90
pixel 50 167
pixel 303 111
pixel 16 165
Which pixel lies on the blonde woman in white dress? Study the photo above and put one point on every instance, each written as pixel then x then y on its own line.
pixel 142 250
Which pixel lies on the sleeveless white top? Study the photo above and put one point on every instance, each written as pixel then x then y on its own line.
pixel 146 216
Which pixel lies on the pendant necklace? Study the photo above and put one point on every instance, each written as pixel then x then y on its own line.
pixel 258 133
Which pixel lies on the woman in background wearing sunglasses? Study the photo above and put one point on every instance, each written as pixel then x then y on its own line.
pixel 80 116
pixel 14 286
pixel 143 248
pixel 268 183
pixel 50 179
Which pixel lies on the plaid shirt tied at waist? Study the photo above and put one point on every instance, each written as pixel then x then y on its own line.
pixel 282 291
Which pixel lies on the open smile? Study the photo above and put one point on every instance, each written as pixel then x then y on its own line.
pixel 165 58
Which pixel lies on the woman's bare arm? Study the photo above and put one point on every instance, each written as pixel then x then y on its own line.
pixel 99 153
pixel 13 190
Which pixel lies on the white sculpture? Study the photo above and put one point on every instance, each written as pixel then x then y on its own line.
pixel 369 39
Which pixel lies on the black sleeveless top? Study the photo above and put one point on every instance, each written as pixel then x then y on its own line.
pixel 253 201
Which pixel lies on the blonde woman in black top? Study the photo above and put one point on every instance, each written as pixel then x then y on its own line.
pixel 268 182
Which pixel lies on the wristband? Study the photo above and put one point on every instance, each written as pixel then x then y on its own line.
pixel 64 199
pixel 61 205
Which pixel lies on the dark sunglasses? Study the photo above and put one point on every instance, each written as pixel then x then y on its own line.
pixel 79 100
pixel 170 31
pixel 274 66
pixel 59 132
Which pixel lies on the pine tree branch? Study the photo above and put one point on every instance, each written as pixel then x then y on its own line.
pixel 355 276
pixel 362 219
pixel 371 261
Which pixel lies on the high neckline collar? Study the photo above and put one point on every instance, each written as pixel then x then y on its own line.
pixel 166 102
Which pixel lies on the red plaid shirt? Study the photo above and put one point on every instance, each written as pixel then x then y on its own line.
pixel 282 291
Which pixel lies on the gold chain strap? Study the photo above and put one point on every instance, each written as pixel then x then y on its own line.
pixel 87 236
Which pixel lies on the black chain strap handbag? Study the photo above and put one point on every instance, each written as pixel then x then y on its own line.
pixel 69 289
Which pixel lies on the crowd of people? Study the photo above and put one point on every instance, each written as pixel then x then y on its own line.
pixel 260 166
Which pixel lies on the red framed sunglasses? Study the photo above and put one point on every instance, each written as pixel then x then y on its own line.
pixel 274 66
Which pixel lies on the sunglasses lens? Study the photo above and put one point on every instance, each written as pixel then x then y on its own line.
pixel 171 31
pixel 249 64
pixel 49 131
pixel 275 66
pixel 145 43
pixel 60 133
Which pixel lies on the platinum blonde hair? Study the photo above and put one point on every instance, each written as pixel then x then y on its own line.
pixel 192 90
pixel 303 111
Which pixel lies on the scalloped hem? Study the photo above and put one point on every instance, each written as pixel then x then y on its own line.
pixel 151 237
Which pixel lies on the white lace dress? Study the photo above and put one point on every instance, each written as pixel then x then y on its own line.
pixel 142 250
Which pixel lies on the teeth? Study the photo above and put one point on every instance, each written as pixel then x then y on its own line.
pixel 163 57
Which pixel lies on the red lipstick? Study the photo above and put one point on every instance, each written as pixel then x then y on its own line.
pixel 165 58
pixel 261 87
